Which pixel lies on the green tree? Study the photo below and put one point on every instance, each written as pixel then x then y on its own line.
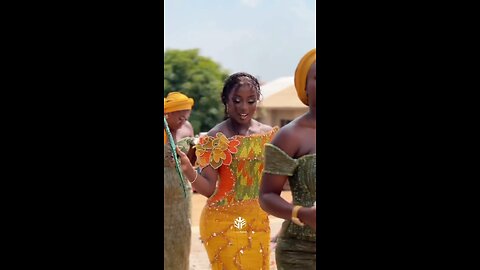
pixel 199 77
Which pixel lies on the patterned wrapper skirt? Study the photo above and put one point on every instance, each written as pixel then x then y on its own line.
pixel 236 236
pixel 176 225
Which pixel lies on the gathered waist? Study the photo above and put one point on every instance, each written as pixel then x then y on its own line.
pixel 238 217
pixel 233 205
pixel 235 209
pixel 292 231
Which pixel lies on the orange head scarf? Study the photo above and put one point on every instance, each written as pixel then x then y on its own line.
pixel 301 74
pixel 176 101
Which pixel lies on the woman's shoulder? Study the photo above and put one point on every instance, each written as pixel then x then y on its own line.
pixel 297 138
pixel 287 138
pixel 264 128
pixel 289 131
pixel 219 128
pixel 258 128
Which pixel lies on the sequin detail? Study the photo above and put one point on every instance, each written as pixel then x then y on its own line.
pixel 302 179
pixel 246 245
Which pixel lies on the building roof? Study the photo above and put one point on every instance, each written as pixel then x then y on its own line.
pixel 280 93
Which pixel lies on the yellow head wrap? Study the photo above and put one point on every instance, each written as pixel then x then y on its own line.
pixel 301 74
pixel 177 101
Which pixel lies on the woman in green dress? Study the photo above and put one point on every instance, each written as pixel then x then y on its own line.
pixel 176 205
pixel 292 156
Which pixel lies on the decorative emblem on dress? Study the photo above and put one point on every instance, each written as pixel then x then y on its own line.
pixel 239 222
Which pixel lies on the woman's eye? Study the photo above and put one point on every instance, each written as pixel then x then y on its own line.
pixel 251 101
pixel 236 101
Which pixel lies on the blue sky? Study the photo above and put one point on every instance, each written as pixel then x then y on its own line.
pixel 266 38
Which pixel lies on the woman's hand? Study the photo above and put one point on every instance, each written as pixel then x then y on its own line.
pixel 185 165
pixel 308 215
pixel 180 157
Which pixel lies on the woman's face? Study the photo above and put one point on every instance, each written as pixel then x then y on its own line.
pixel 311 86
pixel 177 119
pixel 242 104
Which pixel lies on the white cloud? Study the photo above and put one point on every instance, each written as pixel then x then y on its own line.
pixel 251 3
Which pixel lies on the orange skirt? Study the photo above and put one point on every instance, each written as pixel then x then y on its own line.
pixel 236 236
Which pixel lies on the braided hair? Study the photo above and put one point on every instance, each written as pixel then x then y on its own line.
pixel 235 81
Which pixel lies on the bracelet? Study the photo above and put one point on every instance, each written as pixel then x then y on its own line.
pixel 295 219
pixel 196 176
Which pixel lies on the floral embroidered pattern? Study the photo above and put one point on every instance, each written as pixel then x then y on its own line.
pixel 242 156
pixel 216 151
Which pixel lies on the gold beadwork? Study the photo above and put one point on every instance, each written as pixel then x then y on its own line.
pixel 226 243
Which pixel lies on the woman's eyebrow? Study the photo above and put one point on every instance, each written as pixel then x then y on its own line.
pixel 252 96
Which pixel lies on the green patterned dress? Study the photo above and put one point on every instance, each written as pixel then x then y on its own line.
pixel 177 213
pixel 296 246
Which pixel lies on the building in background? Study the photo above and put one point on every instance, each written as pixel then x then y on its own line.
pixel 279 103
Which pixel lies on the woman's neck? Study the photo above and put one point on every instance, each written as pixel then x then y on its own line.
pixel 311 114
pixel 239 129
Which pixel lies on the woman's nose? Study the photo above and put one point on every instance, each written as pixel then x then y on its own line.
pixel 243 107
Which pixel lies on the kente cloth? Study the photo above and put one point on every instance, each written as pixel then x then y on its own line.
pixel 234 230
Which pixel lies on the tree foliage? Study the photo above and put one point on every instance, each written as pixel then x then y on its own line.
pixel 199 77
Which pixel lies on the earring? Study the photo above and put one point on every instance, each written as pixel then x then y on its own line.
pixel 227 109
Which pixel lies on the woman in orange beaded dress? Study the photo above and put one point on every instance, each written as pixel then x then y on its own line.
pixel 234 229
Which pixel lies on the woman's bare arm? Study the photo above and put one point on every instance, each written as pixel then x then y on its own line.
pixel 272 185
pixel 204 183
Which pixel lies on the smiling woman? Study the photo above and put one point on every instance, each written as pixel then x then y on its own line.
pixel 234 229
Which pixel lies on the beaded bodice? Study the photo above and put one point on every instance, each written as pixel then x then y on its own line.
pixel 302 178
pixel 239 161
